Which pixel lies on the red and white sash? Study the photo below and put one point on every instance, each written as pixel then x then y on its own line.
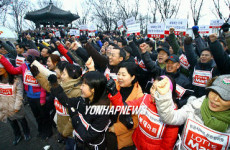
pixel 201 77
pixel 199 137
pixel 184 61
pixel 29 79
pixel 150 123
pixel 108 74
pixel 6 89
pixel 20 61
pixel 61 110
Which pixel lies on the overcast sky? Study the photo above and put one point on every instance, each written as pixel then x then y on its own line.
pixel 206 13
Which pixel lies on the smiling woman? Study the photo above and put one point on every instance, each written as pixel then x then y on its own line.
pixel 210 114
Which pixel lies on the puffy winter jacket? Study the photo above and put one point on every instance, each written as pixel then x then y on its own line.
pixel 195 135
pixel 151 133
pixel 31 86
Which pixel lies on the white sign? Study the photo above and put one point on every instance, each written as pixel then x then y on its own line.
pixel 130 21
pixel 134 28
pixel 83 27
pixel 203 29
pixel 92 34
pixel 74 32
pixel 120 24
pixel 156 30
pixel 199 137
pixel 57 33
pixel 216 23
pixel 92 28
pixel 178 24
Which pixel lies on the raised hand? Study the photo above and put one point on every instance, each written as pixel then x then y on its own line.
pixel 188 40
pixel 195 30
pixel 213 37
pixel 90 64
pixel 163 86
pixel 143 47
pixel 111 87
pixel 171 30
pixel 53 80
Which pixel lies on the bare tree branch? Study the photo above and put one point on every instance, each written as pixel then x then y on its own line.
pixel 167 8
pixel 196 9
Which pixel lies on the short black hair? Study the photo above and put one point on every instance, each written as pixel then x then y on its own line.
pixel 73 71
pixel 97 81
pixel 21 45
pixel 123 41
pixel 61 65
pixel 151 44
pixel 131 69
pixel 206 49
pixel 122 52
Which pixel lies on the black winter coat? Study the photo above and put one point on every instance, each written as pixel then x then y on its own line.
pixel 89 130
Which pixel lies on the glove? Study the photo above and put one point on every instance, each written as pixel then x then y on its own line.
pixel 53 80
pixel 126 120
pixel 34 70
pixel 225 27
pixel 130 38
pixel 188 40
pixel 72 111
pixel 111 87
pixel 195 30
pixel 30 59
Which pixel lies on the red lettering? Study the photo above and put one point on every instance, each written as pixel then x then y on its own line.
pixel 196 141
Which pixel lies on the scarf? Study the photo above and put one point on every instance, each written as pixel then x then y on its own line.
pixel 218 121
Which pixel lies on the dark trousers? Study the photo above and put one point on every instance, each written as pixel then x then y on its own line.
pixel 16 129
pixel 42 117
pixel 69 143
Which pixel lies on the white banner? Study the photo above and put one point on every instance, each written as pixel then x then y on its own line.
pixel 216 23
pixel 203 29
pixel 134 28
pixel 74 32
pixel 92 28
pixel 92 34
pixel 156 30
pixel 119 24
pixel 83 27
pixel 57 33
pixel 130 21
pixel 178 24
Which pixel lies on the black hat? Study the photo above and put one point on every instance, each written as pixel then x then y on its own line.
pixel 225 27
pixel 163 49
pixel 173 58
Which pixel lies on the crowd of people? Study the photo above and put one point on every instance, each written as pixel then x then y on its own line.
pixel 184 84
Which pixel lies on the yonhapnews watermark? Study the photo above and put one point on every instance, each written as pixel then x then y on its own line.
pixel 112 110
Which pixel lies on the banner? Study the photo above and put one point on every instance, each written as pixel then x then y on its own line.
pixel 180 25
pixel 216 23
pixel 155 30
pixel 203 29
pixel 74 32
pixel 83 27
pixel 92 34
pixel 57 33
pixel 119 24
pixel 134 28
pixel 92 28
pixel 130 21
